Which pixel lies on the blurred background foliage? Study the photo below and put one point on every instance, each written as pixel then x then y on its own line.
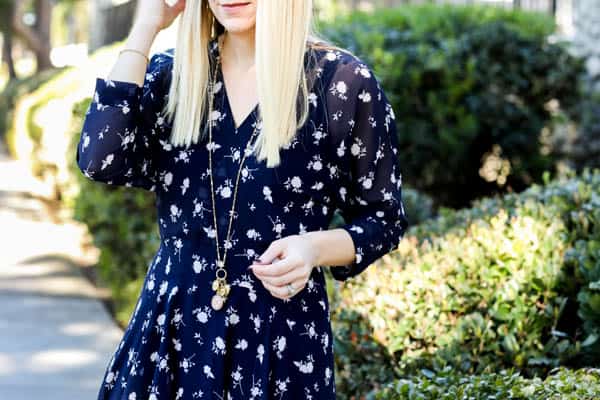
pixel 475 91
pixel 495 290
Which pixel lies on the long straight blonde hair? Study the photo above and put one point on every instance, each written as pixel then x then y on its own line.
pixel 284 32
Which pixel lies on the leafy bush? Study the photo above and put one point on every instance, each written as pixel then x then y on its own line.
pixel 509 282
pixel 419 206
pixel 473 89
pixel 562 384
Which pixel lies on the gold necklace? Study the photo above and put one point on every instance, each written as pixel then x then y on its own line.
pixel 220 285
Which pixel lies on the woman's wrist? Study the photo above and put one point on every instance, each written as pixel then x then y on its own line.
pixel 141 37
pixel 332 246
pixel 313 238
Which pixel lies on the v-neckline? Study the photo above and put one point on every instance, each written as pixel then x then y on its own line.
pixel 227 103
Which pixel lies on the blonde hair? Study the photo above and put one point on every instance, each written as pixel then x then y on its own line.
pixel 284 32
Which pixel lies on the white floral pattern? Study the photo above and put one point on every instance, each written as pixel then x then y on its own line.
pixel 258 346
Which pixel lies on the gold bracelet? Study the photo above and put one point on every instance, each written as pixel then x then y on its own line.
pixel 136 51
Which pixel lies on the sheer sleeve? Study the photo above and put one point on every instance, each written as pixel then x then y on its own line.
pixel 361 124
pixel 119 138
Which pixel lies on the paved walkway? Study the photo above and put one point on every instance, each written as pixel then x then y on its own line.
pixel 56 336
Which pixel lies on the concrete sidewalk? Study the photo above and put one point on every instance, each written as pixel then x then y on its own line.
pixel 56 337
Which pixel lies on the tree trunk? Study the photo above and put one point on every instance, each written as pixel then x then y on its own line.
pixel 37 39
pixel 7 45
pixel 7 10
pixel 43 13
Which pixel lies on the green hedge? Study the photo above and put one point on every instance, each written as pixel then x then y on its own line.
pixel 467 84
pixel 419 206
pixel 562 384
pixel 513 281
pixel 443 20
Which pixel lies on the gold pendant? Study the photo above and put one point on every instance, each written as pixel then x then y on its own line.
pixel 217 301
pixel 222 288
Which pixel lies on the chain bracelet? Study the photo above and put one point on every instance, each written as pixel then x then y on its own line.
pixel 138 52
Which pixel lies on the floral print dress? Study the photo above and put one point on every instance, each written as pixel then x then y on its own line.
pixel 257 346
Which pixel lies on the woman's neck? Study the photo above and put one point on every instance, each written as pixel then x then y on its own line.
pixel 238 48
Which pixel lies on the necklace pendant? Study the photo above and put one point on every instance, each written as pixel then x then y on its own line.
pixel 217 301
pixel 224 289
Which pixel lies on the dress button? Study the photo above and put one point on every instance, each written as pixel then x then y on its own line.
pixel 221 171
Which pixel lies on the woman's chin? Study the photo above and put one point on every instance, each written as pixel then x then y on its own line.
pixel 238 25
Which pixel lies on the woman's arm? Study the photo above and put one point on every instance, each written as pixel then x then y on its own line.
pixel 332 246
pixel 130 66
pixel 363 130
pixel 119 135
pixel 119 140
pixel 363 133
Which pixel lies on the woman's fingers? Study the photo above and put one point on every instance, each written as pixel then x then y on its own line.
pixel 294 267
pixel 276 268
pixel 282 292
pixel 293 273
pixel 172 12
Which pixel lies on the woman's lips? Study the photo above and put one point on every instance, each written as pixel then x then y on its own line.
pixel 232 6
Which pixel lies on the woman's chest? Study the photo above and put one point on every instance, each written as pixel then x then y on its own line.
pixel 225 169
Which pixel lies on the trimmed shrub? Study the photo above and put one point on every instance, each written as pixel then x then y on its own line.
pixel 419 206
pixel 509 282
pixel 475 91
pixel 562 384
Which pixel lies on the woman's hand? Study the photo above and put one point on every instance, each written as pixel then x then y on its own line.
pixel 157 13
pixel 286 260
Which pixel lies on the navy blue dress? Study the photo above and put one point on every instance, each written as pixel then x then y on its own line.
pixel 257 346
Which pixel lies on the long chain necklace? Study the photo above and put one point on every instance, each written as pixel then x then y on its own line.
pixel 220 285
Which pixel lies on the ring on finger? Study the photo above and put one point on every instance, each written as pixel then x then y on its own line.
pixel 290 288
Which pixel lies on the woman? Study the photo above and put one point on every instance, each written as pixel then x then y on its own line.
pixel 267 142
